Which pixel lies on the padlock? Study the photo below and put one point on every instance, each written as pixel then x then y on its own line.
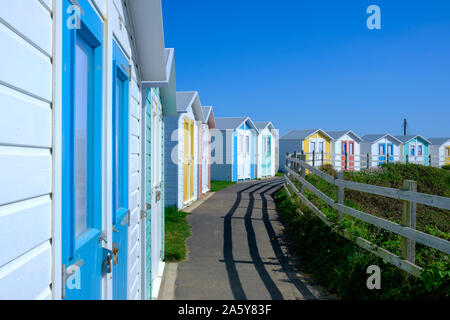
pixel 107 264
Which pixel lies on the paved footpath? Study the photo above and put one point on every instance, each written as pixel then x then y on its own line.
pixel 238 250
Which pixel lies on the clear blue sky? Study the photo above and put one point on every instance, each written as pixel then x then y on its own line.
pixel 309 64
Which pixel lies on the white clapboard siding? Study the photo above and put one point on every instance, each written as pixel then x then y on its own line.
pixel 119 29
pixel 47 4
pixel 100 6
pixel 134 126
pixel 27 276
pixel 134 258
pixel 134 200
pixel 134 163
pixel 24 225
pixel 23 66
pixel 134 90
pixel 31 19
pixel 25 173
pixel 134 145
pixel 24 120
pixel 44 295
pixel 134 181
pixel 134 109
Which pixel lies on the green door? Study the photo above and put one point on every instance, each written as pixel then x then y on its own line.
pixel 266 155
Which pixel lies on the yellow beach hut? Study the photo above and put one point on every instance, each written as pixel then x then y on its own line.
pixel 314 143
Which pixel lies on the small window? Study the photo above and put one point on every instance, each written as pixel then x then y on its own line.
pixel 382 149
pixel 313 147
pixel 390 149
pixel 419 151
pixel 321 148
pixel 413 151
pixel 120 134
pixel 83 69
pixel 247 144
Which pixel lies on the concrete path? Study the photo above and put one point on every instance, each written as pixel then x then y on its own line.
pixel 238 250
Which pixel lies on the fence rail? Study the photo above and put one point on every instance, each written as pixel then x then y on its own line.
pixel 296 171
pixel 365 161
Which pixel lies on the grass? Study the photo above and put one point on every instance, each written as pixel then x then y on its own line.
pixel 220 185
pixel 177 231
pixel 279 174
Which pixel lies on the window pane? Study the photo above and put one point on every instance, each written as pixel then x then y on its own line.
pixel 83 56
pixel 118 122
pixel 247 144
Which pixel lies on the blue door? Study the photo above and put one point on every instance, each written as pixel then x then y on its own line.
pixel 120 122
pixel 390 152
pixel 385 149
pixel 382 153
pixel 83 257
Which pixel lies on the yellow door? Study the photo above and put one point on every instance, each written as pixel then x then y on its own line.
pixel 186 159
pixel 191 169
pixel 447 155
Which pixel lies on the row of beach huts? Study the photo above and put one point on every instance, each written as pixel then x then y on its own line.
pixel 95 142
pixel 345 150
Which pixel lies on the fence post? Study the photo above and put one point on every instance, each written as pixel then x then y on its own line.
pixel 368 161
pixel 294 163
pixel 407 158
pixel 408 246
pixel 430 162
pixel 323 158
pixel 314 158
pixel 340 194
pixel 287 161
pixel 303 172
pixel 387 158
pixel 346 161
pixel 299 167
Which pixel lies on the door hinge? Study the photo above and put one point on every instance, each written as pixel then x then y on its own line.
pixel 158 195
pixel 103 238
pixel 127 219
pixel 143 214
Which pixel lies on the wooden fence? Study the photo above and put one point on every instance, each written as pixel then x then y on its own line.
pixel 296 167
pixel 366 161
